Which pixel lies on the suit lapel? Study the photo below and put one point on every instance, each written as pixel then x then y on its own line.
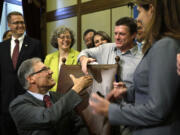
pixel 8 53
pixel 54 97
pixel 33 99
pixel 23 51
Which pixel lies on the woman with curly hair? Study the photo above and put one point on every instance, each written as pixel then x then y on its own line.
pixel 63 40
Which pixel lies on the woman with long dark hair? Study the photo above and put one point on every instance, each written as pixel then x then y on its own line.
pixel 155 107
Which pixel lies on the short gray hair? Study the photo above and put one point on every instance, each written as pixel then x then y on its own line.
pixel 61 30
pixel 26 69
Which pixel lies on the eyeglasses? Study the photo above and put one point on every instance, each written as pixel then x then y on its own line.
pixel 63 37
pixel 18 22
pixel 41 70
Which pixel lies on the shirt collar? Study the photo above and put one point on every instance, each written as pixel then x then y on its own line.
pixel 132 51
pixel 20 38
pixel 37 95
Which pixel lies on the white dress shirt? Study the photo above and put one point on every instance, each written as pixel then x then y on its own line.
pixel 13 44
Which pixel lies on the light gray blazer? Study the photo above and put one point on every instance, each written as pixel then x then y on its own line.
pixel 157 91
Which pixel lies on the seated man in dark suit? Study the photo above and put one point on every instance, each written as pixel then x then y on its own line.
pixel 34 114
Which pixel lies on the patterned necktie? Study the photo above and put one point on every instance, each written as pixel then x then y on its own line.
pixel 47 101
pixel 15 53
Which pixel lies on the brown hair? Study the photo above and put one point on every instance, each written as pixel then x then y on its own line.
pixel 165 20
pixel 129 22
pixel 104 36
pixel 12 13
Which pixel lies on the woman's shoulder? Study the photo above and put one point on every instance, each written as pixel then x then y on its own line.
pixel 74 51
pixel 165 46
pixel 167 42
pixel 52 54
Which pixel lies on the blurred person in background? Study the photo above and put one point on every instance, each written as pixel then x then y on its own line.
pixel 87 37
pixel 7 35
pixel 101 37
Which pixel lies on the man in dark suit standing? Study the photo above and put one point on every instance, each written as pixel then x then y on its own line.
pixel 12 53
pixel 40 112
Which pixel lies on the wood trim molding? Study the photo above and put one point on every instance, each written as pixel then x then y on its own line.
pixel 84 8
pixel 111 23
pixel 79 27
pixel 98 5
pixel 62 13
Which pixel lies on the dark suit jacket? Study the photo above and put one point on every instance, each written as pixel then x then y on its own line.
pixel 9 84
pixel 33 118
pixel 156 86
